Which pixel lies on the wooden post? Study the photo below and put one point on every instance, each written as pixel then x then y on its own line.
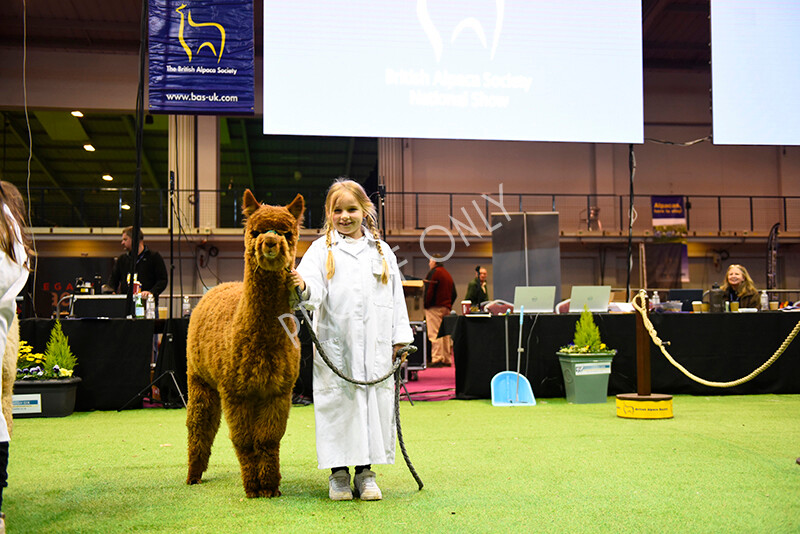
pixel 644 404
pixel 643 386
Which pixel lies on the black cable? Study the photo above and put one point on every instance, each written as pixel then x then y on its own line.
pixel 631 171
pixel 137 183
pixel 208 268
pixel 528 344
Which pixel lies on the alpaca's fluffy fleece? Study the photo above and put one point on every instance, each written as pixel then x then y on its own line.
pixel 240 359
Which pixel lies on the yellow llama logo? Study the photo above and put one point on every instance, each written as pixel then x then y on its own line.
pixel 194 24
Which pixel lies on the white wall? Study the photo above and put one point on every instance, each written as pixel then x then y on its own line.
pixel 522 167
pixel 68 80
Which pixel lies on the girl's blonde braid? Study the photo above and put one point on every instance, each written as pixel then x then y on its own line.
pixel 330 266
pixel 374 231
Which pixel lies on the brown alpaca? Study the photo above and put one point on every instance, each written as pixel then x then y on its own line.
pixel 239 357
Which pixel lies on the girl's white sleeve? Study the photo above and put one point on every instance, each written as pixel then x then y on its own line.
pixel 312 269
pixel 401 327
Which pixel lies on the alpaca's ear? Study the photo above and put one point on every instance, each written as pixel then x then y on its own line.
pixel 296 207
pixel 249 203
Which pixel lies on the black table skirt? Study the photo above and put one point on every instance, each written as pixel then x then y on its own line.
pixel 113 355
pixel 719 347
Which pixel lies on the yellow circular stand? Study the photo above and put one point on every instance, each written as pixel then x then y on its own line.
pixel 653 406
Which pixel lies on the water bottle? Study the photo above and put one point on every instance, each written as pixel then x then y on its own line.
pixel 139 309
pixel 764 301
pixel 656 300
pixel 186 307
pixel 150 307
pixel 716 299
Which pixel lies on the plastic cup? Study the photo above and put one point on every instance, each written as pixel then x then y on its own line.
pixel 706 307
pixel 697 306
pixel 465 306
pixel 773 305
pixel 734 306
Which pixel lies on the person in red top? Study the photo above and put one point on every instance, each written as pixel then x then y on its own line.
pixel 440 293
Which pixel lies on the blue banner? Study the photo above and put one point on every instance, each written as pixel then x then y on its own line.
pixel 669 218
pixel 201 57
pixel 670 208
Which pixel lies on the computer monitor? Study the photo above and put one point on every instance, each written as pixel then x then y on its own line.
pixel 686 296
pixel 596 298
pixel 534 299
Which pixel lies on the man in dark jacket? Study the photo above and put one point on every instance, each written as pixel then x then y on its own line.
pixel 150 269
pixel 440 293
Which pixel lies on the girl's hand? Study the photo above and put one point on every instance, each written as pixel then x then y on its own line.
pixel 295 280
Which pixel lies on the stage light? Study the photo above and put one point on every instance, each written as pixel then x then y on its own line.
pixel 125 206
pixel 77 113
pixel 88 148
pixel 108 178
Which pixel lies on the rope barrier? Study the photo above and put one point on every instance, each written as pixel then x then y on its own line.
pixel 639 306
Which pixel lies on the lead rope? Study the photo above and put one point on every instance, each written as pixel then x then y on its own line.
pixel 639 306
pixel 401 357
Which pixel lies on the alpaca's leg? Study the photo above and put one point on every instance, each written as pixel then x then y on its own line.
pixel 269 430
pixel 202 422
pixel 256 431
pixel 241 418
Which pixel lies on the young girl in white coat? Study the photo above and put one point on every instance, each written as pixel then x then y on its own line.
pixel 351 279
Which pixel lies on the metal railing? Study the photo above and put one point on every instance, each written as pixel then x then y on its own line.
pixel 706 214
pixel 586 213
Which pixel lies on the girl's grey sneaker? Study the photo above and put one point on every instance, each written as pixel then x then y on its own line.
pixel 366 487
pixel 339 486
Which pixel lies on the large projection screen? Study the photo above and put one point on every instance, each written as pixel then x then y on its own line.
pixel 755 73
pixel 534 71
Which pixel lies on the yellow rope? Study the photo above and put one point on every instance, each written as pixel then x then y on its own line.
pixel 641 296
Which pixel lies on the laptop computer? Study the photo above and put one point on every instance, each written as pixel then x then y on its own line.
pixel 534 299
pixel 686 296
pixel 596 298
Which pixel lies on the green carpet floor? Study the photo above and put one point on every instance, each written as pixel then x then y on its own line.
pixel 723 464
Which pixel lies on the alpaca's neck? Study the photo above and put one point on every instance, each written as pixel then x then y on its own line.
pixel 265 291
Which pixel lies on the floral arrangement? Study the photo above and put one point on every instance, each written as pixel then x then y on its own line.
pixel 58 361
pixel 587 337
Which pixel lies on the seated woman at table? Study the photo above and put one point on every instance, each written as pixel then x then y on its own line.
pixel 477 289
pixel 739 287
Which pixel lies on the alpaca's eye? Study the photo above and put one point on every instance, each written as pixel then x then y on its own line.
pixel 254 234
pixel 288 236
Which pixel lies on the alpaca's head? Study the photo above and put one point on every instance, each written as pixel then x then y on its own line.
pixel 271 232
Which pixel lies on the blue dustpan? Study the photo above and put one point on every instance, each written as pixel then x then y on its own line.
pixel 511 389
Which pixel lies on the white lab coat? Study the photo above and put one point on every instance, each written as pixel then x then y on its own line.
pixel 357 320
pixel 13 276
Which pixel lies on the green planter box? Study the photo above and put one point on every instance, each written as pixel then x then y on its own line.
pixel 44 398
pixel 586 376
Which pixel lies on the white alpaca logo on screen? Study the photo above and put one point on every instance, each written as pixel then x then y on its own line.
pixel 471 23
